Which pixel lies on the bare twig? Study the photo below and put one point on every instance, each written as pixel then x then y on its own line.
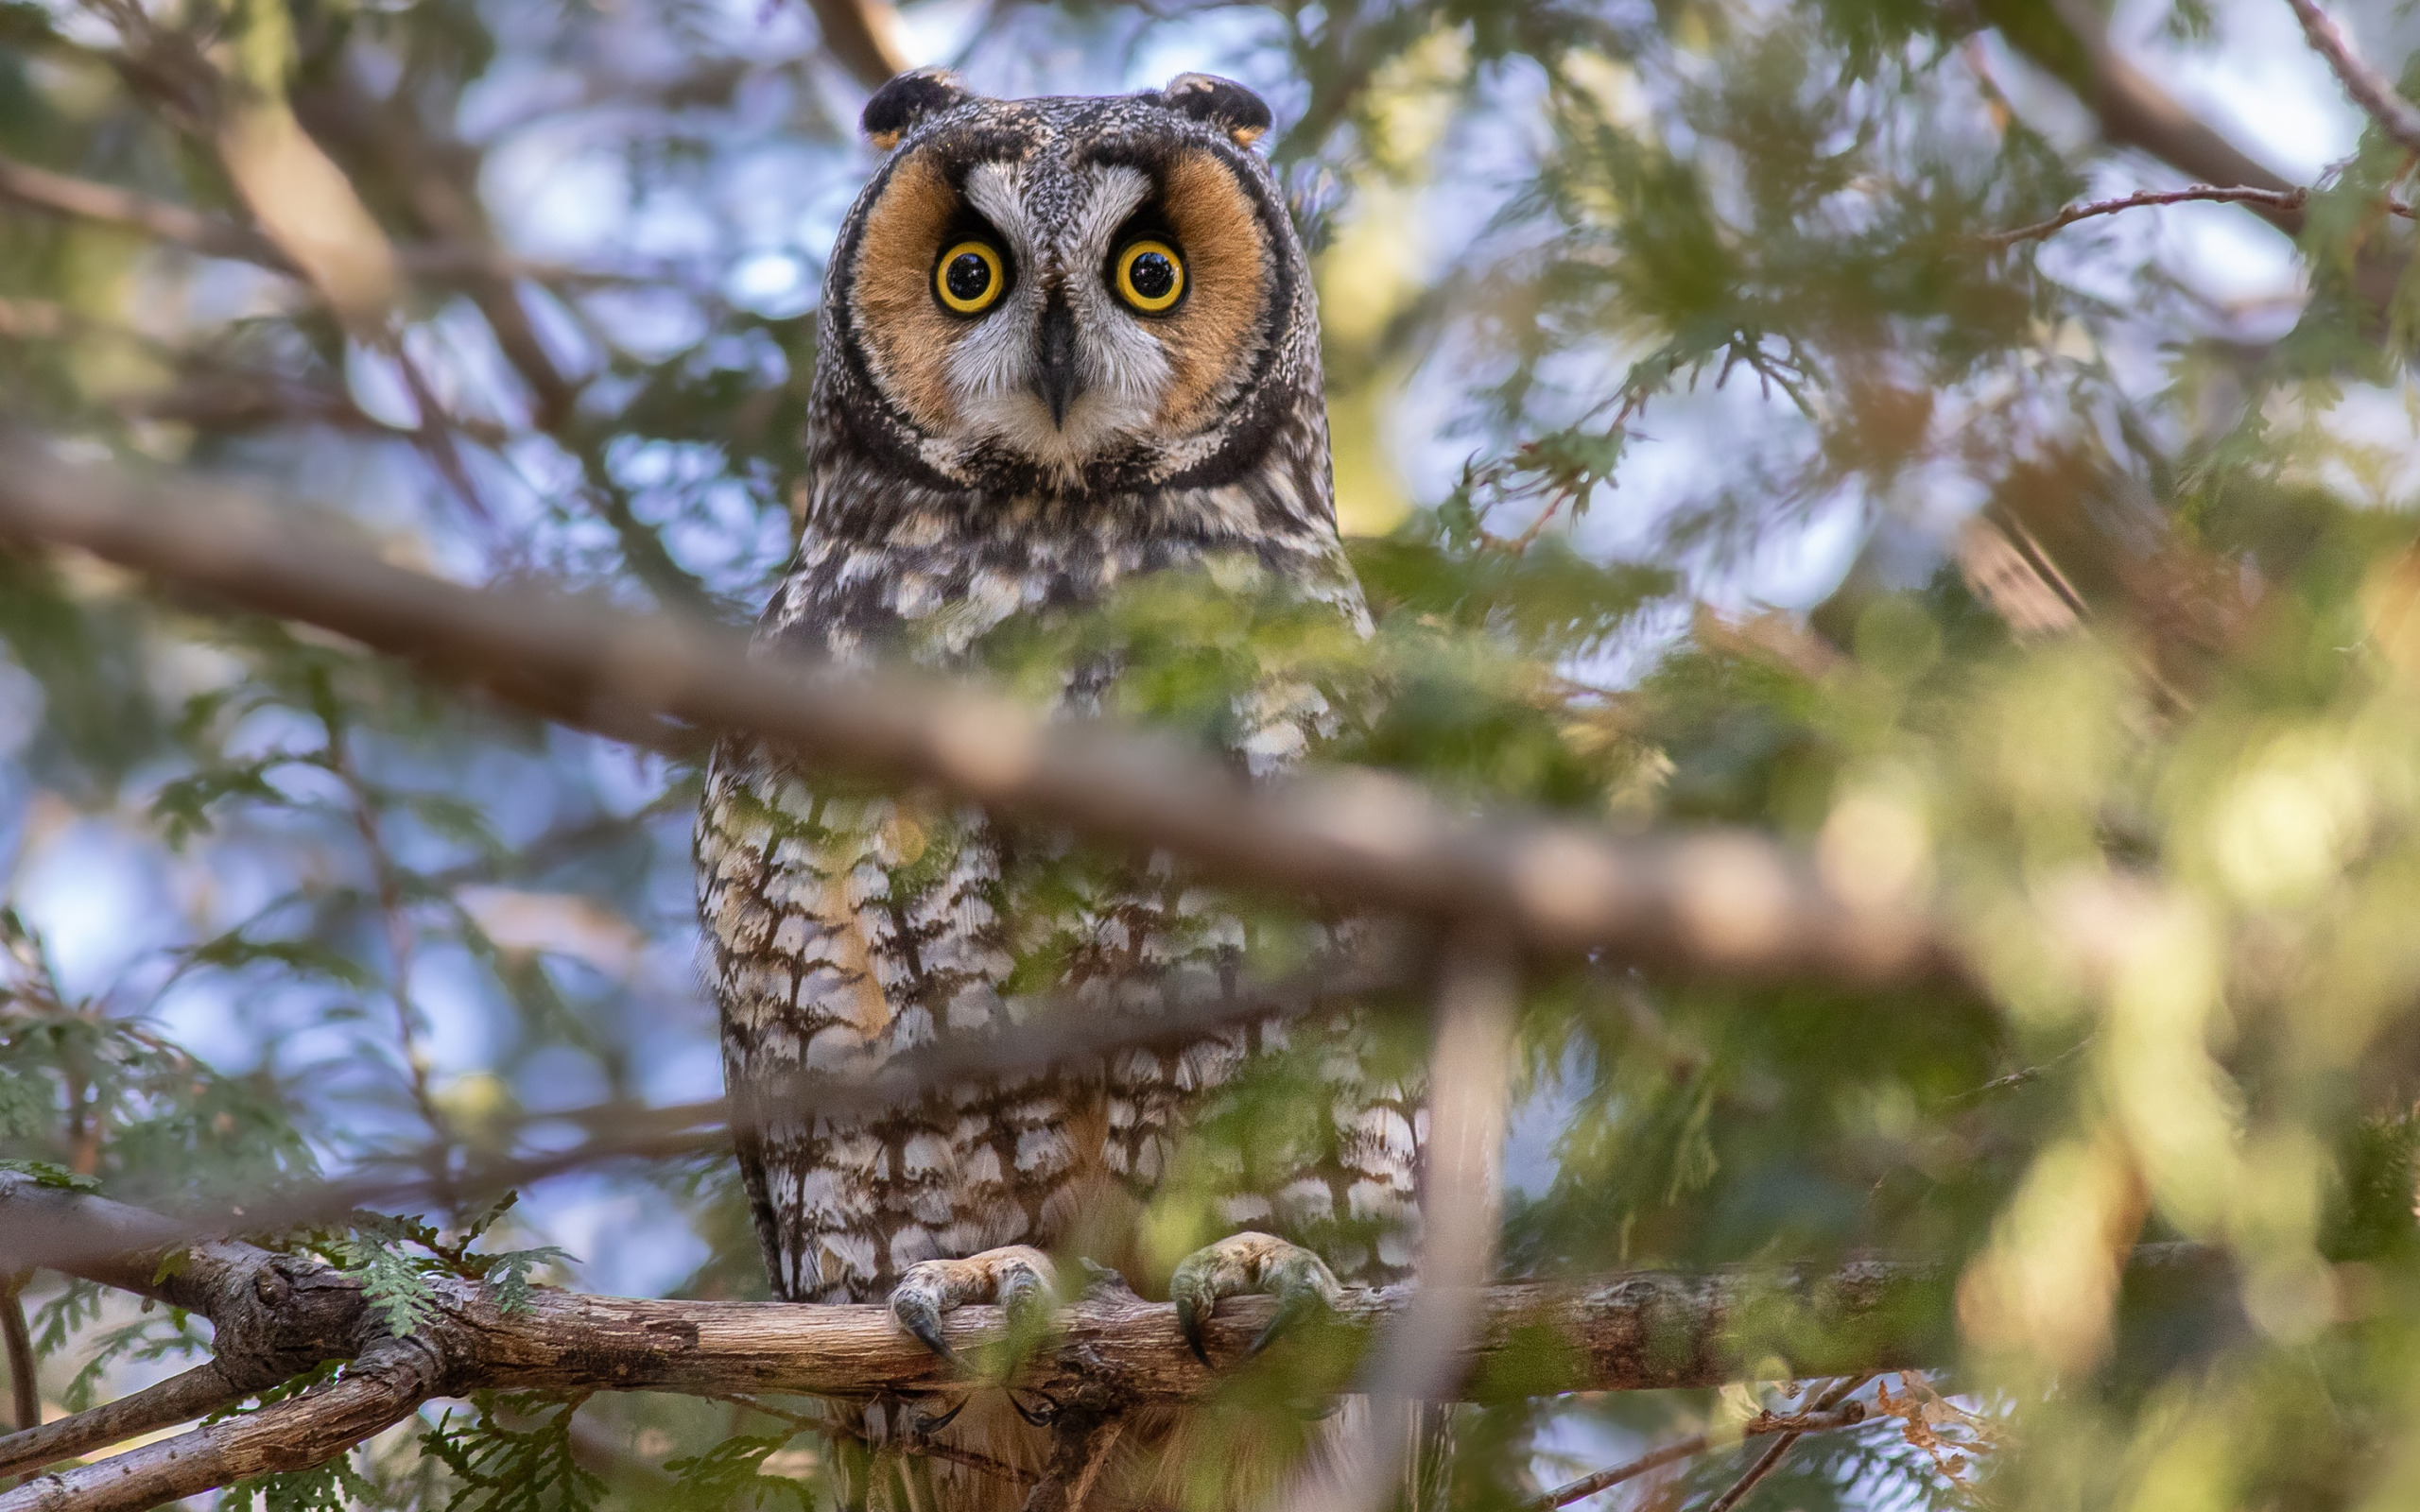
pixel 1730 905
pixel 1420 1359
pixel 2280 199
pixel 181 1399
pixel 1848 1414
pixel 2369 89
pixel 1766 1463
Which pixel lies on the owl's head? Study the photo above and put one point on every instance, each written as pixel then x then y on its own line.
pixel 1072 294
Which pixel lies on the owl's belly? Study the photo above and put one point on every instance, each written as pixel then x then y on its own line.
pixel 845 931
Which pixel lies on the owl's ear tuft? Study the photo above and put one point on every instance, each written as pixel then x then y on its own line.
pixel 1220 103
pixel 899 105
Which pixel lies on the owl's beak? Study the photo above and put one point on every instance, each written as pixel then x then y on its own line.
pixel 1057 376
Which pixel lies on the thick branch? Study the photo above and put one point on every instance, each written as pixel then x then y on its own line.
pixel 376 1392
pixel 1722 904
pixel 1639 1330
pixel 181 1399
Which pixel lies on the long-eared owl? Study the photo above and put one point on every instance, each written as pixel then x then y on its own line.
pixel 1063 342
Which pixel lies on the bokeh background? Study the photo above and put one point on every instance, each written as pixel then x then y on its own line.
pixel 1670 382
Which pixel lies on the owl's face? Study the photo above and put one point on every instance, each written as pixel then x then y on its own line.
pixel 1065 293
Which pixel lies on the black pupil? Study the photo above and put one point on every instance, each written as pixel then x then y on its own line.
pixel 1152 275
pixel 968 276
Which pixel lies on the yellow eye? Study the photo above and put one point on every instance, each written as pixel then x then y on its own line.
pixel 969 279
pixel 1150 276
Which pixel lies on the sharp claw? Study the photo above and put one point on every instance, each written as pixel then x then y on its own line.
pixel 1189 1318
pixel 1049 1415
pixel 934 1425
pixel 1291 1305
pixel 927 1324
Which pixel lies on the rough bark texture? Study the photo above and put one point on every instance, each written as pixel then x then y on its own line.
pixel 276 1316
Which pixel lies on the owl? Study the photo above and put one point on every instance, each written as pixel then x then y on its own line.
pixel 1063 343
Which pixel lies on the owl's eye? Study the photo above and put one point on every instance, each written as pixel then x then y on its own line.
pixel 969 279
pixel 1150 276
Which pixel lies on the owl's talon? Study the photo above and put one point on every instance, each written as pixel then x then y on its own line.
pixel 934 1425
pixel 1043 1418
pixel 1251 1265
pixel 1018 1278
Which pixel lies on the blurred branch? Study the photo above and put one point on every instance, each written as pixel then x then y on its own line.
pixel 2290 199
pixel 2369 89
pixel 864 36
pixel 2071 40
pixel 1723 903
pixel 107 205
pixel 1847 1415
pixel 276 1315
pixel 181 1399
pixel 40 189
pixel 1470 1068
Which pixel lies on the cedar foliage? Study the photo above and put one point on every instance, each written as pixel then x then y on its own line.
pixel 2120 671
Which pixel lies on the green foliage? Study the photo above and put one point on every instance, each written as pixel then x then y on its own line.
pixel 502 1468
pixel 732 1475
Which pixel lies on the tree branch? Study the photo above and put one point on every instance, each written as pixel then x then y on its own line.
pixel 2290 199
pixel 60 195
pixel 2369 89
pixel 1771 1458
pixel 1722 904
pixel 864 36
pixel 1846 1416
pixel 382 1388
pixel 181 1399
pixel 1632 1331
pixel 25 1390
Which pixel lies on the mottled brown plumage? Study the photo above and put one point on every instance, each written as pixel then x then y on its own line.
pixel 1028 454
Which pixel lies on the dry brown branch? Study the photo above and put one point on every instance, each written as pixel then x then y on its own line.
pixel 380 1389
pixel 2369 89
pixel 275 1315
pixel 181 1399
pixel 25 1389
pixel 2287 200
pixel 1725 903
pixel 1779 1450
pixel 1765 1423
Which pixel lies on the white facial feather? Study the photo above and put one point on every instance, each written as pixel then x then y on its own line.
pixel 992 370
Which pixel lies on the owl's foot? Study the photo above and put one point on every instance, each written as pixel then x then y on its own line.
pixel 1019 1277
pixel 1251 1265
